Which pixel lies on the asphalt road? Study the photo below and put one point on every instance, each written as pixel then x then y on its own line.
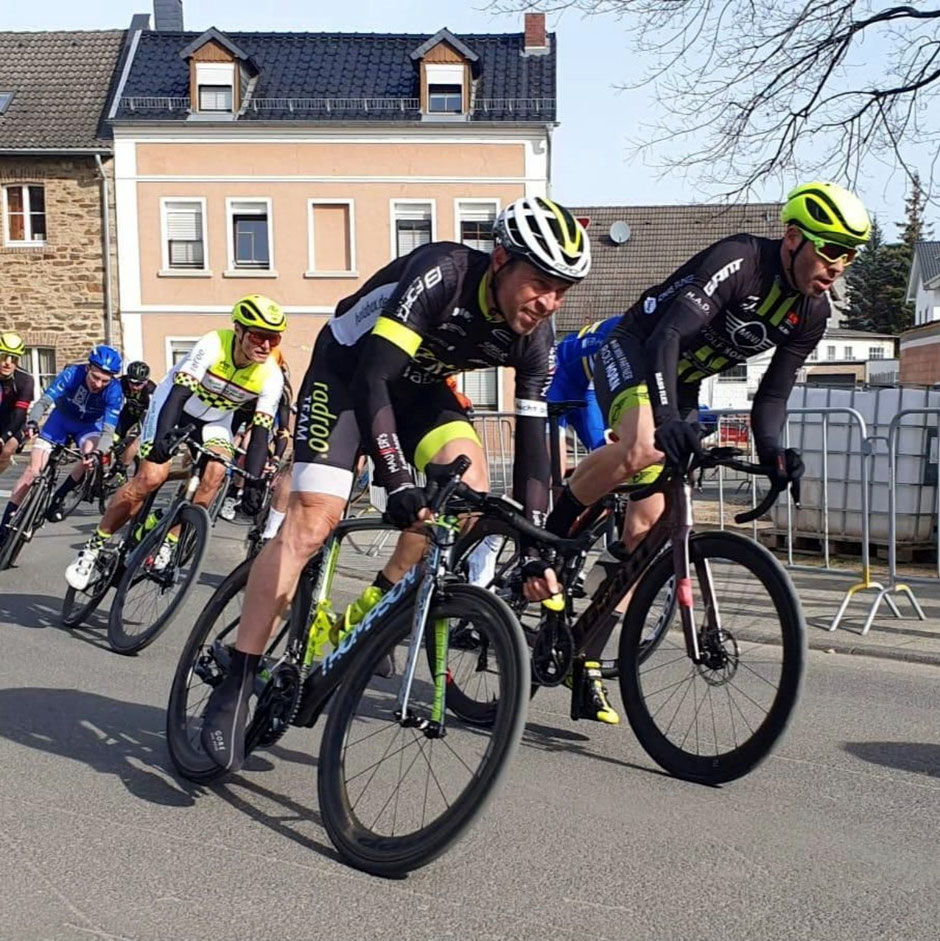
pixel 834 837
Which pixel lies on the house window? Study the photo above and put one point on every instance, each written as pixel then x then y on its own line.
pixel 5 98
pixel 413 226
pixel 876 352
pixel 24 214
pixel 445 99
pixel 249 234
pixel 445 83
pixel 178 348
pixel 184 234
pixel 215 84
pixel 39 362
pixel 331 237
pixel 482 388
pixel 830 352
pixel 848 352
pixel 475 223
pixel 814 355
pixel 736 373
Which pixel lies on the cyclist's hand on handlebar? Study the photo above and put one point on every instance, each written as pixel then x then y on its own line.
pixel 678 440
pixel 788 467
pixel 539 580
pixel 30 430
pixel 91 459
pixel 406 506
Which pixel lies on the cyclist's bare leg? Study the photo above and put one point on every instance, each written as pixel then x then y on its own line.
pixel 411 545
pixel 311 517
pixel 130 498
pixel 609 466
pixel 7 452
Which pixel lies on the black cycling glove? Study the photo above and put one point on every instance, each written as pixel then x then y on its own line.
pixel 678 440
pixel 786 466
pixel 404 505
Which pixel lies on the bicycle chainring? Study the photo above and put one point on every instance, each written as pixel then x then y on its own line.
pixel 277 704
pixel 552 652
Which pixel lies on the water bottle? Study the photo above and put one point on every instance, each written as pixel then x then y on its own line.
pixel 152 519
pixel 611 558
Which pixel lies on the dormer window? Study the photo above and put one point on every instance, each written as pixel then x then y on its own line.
pixel 5 98
pixel 445 99
pixel 215 83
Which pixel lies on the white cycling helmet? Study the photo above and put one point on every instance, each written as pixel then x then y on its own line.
pixel 545 235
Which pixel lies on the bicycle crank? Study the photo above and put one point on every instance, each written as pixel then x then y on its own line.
pixel 552 652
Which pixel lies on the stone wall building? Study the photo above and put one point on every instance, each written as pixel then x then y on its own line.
pixel 58 264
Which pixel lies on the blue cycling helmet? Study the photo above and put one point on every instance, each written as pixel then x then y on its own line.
pixel 106 358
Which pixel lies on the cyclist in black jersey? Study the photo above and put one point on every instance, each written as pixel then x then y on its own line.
pixel 137 387
pixel 377 381
pixel 16 395
pixel 737 298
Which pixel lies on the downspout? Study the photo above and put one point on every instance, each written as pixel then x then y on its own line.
pixel 106 244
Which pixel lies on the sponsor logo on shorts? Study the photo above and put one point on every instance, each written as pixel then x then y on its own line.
pixel 315 420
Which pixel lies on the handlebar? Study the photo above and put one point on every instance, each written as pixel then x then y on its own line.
pixel 184 435
pixel 723 457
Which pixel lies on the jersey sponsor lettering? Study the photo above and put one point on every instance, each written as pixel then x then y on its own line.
pixel 722 274
pixel 390 453
pixel 417 287
pixel 695 298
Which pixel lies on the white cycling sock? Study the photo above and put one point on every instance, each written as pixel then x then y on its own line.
pixel 275 518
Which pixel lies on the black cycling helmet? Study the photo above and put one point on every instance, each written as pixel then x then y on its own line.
pixel 138 371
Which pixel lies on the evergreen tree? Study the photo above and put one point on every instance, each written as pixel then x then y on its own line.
pixel 877 286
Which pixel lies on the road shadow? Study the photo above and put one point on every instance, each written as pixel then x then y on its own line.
pixel 34 611
pixel 110 736
pixel 919 757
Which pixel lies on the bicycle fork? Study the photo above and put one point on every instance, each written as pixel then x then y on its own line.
pixel 682 567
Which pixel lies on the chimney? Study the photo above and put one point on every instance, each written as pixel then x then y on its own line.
pixel 168 15
pixel 536 39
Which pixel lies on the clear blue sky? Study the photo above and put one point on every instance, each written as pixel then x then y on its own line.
pixel 590 159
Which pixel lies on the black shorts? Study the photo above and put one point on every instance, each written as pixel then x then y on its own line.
pixel 620 379
pixel 326 432
pixel 126 423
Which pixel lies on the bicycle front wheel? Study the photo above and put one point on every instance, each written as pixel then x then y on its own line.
pixel 81 491
pixel 395 794
pixel 157 579
pixel 79 605
pixel 714 721
pixel 26 520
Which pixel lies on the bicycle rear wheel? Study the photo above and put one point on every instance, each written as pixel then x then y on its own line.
pixel 714 721
pixel 79 605
pixel 79 492
pixel 147 598
pixel 393 796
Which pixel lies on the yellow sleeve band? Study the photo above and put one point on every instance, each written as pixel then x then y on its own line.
pixel 403 337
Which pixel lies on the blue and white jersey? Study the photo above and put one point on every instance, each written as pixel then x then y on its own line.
pixel 574 360
pixel 75 401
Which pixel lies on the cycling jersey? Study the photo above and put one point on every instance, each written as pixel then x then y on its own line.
pixel 219 387
pixel 726 304
pixel 136 400
pixel 75 401
pixel 418 320
pixel 16 394
pixel 574 381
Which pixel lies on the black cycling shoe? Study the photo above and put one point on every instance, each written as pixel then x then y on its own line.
pixel 223 722
pixel 54 513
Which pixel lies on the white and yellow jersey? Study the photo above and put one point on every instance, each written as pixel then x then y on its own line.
pixel 220 387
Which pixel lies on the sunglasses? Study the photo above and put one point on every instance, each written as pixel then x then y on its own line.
pixel 831 252
pixel 137 383
pixel 262 336
pixel 9 358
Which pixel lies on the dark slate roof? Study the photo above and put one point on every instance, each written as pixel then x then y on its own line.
pixel 318 66
pixel 62 82
pixel 661 239
pixel 928 257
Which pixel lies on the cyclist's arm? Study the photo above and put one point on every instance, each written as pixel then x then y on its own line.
pixel 61 385
pixel 282 435
pixel 531 466
pixel 423 293
pixel 114 401
pixel 769 409
pixel 262 422
pixel 20 408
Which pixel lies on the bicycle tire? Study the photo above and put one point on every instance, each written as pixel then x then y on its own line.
pixel 773 631
pixel 390 854
pixel 77 606
pixel 183 729
pixel 78 493
pixel 30 511
pixel 192 547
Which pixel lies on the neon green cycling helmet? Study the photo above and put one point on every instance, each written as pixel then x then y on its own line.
pixel 828 211
pixel 258 312
pixel 12 344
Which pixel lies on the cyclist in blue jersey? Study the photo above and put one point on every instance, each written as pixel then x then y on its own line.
pixel 87 402
pixel 574 381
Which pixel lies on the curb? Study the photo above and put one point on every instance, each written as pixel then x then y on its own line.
pixel 826 645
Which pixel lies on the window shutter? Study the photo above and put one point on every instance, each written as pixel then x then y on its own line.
pixel 480 387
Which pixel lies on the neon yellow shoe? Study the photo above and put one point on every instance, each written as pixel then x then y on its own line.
pixel 355 612
pixel 594 703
